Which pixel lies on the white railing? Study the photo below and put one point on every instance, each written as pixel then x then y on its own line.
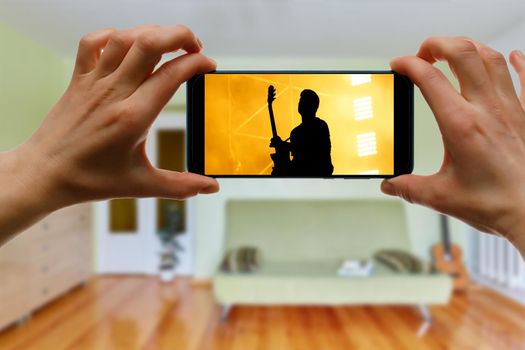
pixel 495 262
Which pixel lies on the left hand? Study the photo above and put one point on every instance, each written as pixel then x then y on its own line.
pixel 92 143
pixel 276 142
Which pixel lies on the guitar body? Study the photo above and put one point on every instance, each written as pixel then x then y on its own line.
pixel 451 265
pixel 448 258
pixel 281 161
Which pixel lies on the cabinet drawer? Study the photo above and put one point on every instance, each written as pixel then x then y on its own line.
pixel 83 245
pixel 60 246
pixel 14 305
pixel 14 263
pixel 55 247
pixel 47 267
pixel 65 221
pixel 56 284
pixel 44 262
pixel 14 276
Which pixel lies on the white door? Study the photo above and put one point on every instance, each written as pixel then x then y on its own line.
pixel 124 247
pixel 127 229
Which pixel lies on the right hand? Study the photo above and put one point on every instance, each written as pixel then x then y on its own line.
pixel 482 177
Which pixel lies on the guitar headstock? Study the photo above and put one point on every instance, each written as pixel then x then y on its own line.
pixel 271 94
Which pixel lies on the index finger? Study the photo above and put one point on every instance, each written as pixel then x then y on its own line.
pixel 149 47
pixel 89 50
pixel 463 57
pixel 437 90
pixel 517 59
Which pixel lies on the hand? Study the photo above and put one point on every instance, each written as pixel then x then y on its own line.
pixel 276 142
pixel 482 178
pixel 92 143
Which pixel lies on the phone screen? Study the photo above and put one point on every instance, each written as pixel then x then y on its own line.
pixel 299 125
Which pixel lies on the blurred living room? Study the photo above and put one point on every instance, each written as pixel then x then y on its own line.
pixel 265 263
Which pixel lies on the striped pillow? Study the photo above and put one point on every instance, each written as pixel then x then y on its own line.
pixel 242 259
pixel 401 261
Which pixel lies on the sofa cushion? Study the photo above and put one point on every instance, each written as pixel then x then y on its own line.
pixel 318 284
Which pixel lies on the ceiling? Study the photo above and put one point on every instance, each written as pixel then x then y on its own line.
pixel 319 28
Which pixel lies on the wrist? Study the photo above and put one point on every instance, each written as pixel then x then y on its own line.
pixel 20 208
pixel 29 190
pixel 513 229
pixel 516 236
pixel 40 178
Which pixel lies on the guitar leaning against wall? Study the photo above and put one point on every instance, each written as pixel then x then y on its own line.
pixel 448 258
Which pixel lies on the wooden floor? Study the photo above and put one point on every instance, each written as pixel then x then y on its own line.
pixel 141 313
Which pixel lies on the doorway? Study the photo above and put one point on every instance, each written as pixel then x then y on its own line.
pixel 127 229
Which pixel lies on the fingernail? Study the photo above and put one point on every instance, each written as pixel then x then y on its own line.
pixel 396 58
pixel 520 54
pixel 199 41
pixel 387 187
pixel 213 61
pixel 211 188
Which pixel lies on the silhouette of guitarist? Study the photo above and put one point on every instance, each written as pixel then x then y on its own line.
pixel 309 144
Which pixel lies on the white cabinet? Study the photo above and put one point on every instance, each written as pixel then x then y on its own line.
pixel 45 261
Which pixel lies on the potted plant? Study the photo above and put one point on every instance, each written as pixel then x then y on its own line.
pixel 168 235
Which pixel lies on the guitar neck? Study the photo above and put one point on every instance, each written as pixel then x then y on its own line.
pixel 445 234
pixel 272 120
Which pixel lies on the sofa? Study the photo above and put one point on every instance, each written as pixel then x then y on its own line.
pixel 302 244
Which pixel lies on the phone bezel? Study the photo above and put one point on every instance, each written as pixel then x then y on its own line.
pixel 403 122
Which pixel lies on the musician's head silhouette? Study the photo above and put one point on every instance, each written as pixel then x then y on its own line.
pixel 308 104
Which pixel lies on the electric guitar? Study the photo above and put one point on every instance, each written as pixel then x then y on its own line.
pixel 448 258
pixel 281 157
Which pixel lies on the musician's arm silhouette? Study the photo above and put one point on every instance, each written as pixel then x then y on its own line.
pixel 325 144
pixel 326 149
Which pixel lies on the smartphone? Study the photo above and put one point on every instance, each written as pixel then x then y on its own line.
pixel 300 124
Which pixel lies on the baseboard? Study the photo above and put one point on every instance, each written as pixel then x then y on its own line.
pixel 516 295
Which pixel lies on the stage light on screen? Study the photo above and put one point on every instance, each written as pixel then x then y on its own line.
pixel 370 172
pixel 359 79
pixel 366 144
pixel 363 108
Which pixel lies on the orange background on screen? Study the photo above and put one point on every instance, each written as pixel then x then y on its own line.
pixel 237 123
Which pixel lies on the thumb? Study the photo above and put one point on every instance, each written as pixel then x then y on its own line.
pixel 412 188
pixel 176 185
pixel 517 59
